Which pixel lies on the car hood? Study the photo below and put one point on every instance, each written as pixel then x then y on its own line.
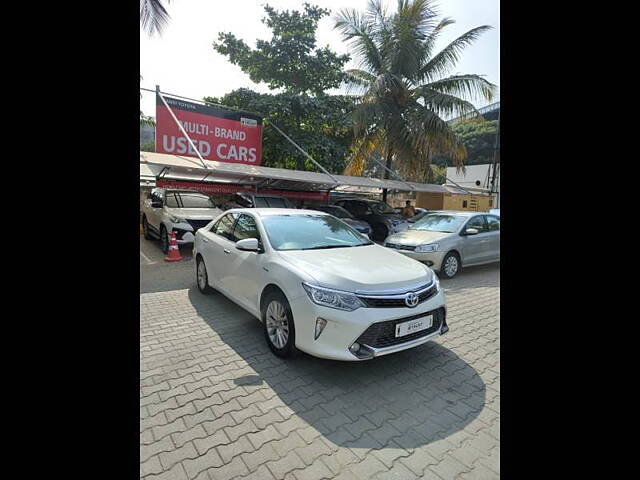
pixel 416 237
pixel 194 213
pixel 370 268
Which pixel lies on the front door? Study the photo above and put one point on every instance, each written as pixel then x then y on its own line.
pixel 476 247
pixel 218 250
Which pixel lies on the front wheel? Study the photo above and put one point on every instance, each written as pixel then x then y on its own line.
pixel 164 240
pixel 277 323
pixel 450 265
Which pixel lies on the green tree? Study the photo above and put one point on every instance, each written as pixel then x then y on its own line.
pixel 478 136
pixel 405 90
pixel 320 124
pixel 153 16
pixel 290 60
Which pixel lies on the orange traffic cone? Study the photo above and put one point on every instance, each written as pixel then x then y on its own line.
pixel 174 251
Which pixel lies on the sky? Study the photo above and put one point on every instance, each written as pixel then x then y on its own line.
pixel 182 60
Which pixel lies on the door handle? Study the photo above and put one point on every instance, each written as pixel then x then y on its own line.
pixel 226 251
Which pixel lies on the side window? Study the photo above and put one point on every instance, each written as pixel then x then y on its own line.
pixel 260 202
pixel 224 226
pixel 493 223
pixel 245 228
pixel 478 223
pixel 275 202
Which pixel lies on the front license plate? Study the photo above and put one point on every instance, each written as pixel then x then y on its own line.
pixel 413 326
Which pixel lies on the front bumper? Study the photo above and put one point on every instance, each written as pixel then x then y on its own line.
pixel 344 328
pixel 431 259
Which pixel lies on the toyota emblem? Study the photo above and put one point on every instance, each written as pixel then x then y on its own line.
pixel 411 300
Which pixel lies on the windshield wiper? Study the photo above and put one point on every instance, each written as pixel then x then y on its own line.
pixel 325 247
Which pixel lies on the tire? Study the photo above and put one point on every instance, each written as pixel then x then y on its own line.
pixel 276 308
pixel 202 277
pixel 450 265
pixel 380 232
pixel 164 239
pixel 145 228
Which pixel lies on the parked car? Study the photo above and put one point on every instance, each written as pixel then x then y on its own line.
pixel 380 216
pixel 259 200
pixel 179 211
pixel 345 216
pixel 419 215
pixel 448 240
pixel 309 278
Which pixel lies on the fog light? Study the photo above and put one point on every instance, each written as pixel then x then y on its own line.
pixel 355 347
pixel 320 324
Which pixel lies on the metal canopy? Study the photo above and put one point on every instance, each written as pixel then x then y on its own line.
pixel 177 167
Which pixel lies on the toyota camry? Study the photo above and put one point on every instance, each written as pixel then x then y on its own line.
pixel 317 285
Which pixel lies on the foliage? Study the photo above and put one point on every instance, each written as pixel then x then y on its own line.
pixel 153 16
pixel 405 90
pixel 290 60
pixel 148 146
pixel 320 125
pixel 479 137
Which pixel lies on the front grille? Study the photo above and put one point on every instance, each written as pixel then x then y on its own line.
pixel 397 246
pixel 383 302
pixel 383 334
pixel 196 224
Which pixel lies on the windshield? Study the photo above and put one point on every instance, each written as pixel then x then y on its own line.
pixel 381 207
pixel 439 223
pixel 335 211
pixel 310 232
pixel 189 200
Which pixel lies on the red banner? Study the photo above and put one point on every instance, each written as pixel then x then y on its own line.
pixel 229 188
pixel 218 134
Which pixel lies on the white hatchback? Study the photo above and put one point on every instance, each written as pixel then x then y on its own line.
pixel 317 285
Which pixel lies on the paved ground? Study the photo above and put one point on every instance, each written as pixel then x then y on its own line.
pixel 216 404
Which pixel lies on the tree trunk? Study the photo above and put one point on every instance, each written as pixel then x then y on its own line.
pixel 386 173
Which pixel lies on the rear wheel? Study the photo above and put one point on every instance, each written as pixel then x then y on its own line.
pixel 277 323
pixel 202 277
pixel 450 265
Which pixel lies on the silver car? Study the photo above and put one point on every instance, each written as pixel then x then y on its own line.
pixel 449 240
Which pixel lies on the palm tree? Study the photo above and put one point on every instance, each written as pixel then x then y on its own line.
pixel 404 91
pixel 153 16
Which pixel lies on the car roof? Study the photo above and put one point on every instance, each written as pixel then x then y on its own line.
pixel 458 213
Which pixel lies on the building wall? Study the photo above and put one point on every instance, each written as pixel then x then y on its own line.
pixel 430 201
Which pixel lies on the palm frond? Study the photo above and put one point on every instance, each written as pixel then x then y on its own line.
pixel 358 30
pixel 440 63
pixel 443 104
pixel 153 16
pixel 362 150
pixel 470 86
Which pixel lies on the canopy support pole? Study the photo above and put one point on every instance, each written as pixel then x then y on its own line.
pixel 303 152
pixel 394 174
pixel 181 127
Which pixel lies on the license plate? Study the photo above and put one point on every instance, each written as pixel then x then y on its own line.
pixel 413 326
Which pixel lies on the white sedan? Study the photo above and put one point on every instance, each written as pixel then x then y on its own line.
pixel 317 285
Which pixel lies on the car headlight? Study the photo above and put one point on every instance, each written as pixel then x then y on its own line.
pixel 436 280
pixel 333 298
pixel 428 247
pixel 176 219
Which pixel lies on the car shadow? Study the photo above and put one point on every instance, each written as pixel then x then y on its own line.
pixel 406 399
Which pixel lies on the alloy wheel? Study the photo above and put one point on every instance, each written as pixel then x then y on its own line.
pixel 202 275
pixel 451 266
pixel 277 324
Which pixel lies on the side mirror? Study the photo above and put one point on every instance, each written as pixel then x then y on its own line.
pixel 248 244
pixel 471 231
pixel 156 204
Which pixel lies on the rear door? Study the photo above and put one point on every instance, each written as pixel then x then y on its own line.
pixel 217 245
pixel 245 270
pixel 493 225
